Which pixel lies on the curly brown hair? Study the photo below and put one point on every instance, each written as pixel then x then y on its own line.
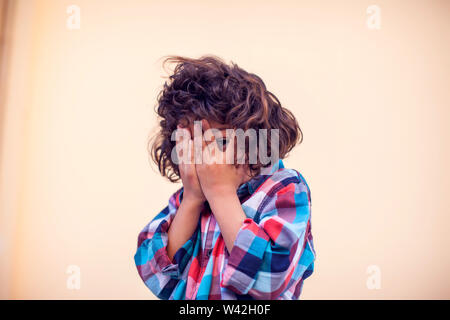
pixel 208 88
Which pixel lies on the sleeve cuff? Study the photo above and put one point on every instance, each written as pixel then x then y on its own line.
pixel 175 267
pixel 163 263
pixel 245 258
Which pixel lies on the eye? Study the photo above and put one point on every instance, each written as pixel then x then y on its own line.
pixel 222 143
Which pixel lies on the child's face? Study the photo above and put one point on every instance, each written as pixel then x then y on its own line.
pixel 221 141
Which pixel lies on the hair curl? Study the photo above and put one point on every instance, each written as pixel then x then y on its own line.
pixel 208 88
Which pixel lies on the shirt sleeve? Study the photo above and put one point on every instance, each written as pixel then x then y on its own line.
pixel 269 257
pixel 159 273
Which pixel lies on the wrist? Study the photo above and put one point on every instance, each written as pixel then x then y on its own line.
pixel 192 202
pixel 222 193
pixel 224 206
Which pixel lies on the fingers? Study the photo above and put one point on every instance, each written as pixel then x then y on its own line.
pixel 182 133
pixel 184 146
pixel 205 124
pixel 207 146
pixel 212 152
pixel 212 148
pixel 187 165
pixel 191 151
pixel 208 133
pixel 180 145
pixel 229 150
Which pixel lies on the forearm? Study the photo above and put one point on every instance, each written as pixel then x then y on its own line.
pixel 228 212
pixel 183 225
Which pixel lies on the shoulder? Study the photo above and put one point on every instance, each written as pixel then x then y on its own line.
pixel 173 204
pixel 281 190
pixel 176 197
pixel 284 179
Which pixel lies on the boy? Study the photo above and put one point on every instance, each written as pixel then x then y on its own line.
pixel 239 228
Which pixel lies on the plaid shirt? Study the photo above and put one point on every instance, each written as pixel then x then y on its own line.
pixel 272 254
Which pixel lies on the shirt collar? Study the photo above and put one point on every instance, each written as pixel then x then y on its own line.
pixel 250 186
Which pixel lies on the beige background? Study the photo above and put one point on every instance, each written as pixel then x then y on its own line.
pixel 77 107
